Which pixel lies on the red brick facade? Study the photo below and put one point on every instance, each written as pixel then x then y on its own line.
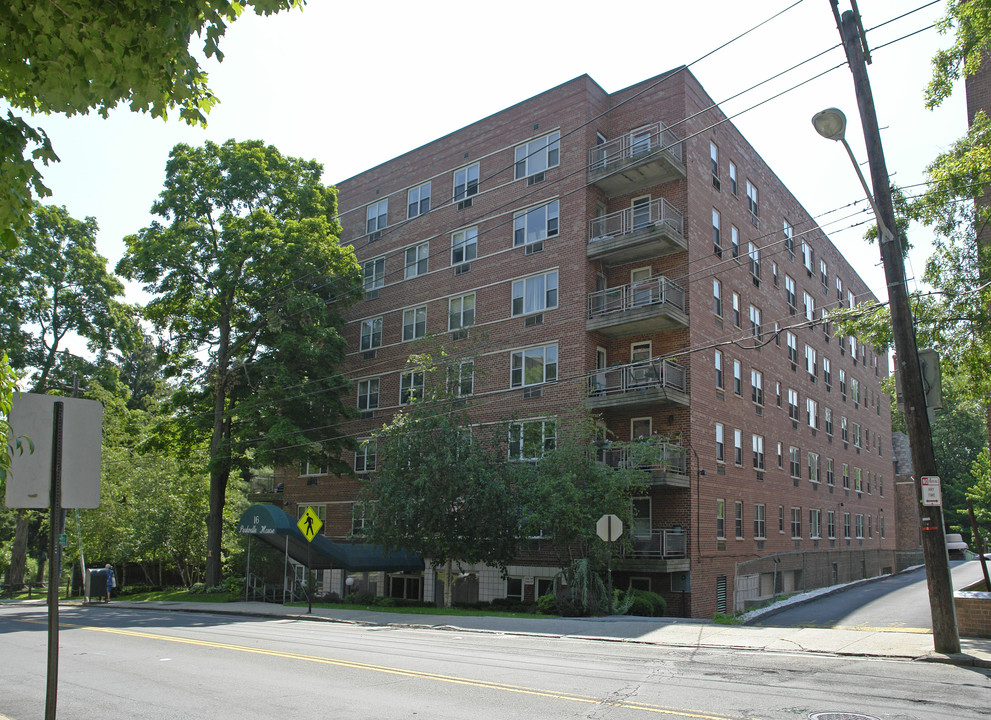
pixel 685 506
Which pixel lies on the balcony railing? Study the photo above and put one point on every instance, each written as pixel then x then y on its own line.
pixel 649 455
pixel 657 212
pixel 661 543
pixel 643 375
pixel 641 294
pixel 648 156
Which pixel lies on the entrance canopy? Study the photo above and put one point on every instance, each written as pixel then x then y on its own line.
pixel 272 525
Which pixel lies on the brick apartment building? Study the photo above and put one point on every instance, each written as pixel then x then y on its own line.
pixel 630 252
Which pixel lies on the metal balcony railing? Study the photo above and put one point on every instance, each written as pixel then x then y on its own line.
pixel 643 293
pixel 643 375
pixel 650 455
pixel 662 543
pixel 644 143
pixel 656 213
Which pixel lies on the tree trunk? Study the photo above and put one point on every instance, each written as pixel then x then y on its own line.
pixel 19 553
pixel 448 585
pixel 220 454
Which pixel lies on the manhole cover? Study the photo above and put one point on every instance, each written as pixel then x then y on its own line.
pixel 840 716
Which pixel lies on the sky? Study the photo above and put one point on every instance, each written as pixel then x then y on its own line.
pixel 352 85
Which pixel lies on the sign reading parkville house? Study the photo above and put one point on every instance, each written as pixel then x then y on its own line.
pixel 259 526
pixel 309 524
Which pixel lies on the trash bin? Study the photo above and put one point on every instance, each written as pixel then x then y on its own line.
pixel 96 582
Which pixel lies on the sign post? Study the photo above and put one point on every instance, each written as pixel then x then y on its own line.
pixel 609 528
pixel 309 524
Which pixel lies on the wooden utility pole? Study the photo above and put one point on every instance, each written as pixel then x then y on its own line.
pixel 944 620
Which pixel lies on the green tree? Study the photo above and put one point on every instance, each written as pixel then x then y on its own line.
pixel 250 282
pixel 442 489
pixel 979 493
pixel 77 56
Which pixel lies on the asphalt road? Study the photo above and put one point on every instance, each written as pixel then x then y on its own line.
pixel 122 663
pixel 899 602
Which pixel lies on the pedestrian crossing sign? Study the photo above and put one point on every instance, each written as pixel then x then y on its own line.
pixel 309 524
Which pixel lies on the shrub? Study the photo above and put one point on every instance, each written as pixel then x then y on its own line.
pixel 647 604
pixel 234 585
pixel 545 604
pixel 361 597
pixel 197 588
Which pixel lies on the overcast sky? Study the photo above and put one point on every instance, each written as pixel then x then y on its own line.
pixel 355 84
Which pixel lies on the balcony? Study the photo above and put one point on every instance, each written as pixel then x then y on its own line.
pixel 640 384
pixel 649 156
pixel 656 550
pixel 645 306
pixel 636 233
pixel 666 463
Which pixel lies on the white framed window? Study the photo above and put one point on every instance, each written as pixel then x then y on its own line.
pixel 733 187
pixel 738 515
pixel 360 520
pixel 461 378
pixel 720 519
pixel 815 523
pixel 831 524
pixel 410 386
pixel 752 203
pixel 757 386
pixel 464 245
pixel 810 361
pixel 736 309
pixel 796 523
pixel 793 404
pixel 717 246
pixel 774 273
pixel 823 275
pixel 365 456
pixel 813 467
pixel 717 297
pixel 536 224
pixel 790 292
pixel 830 477
pixel 846 525
pixel 371 334
pixel 792 342
pixel 377 216
pixel 417 260
pixel 536 156
pixel 718 363
pixel 754 254
pixel 734 240
pixel 461 312
pixel 368 394
pixel 374 274
pixel 737 377
pixel 533 366
pixel 737 447
pixel 535 293
pixel 757 444
pixel 414 323
pixel 827 372
pixel 418 200
pixel 465 182
pixel 839 289
pixel 755 326
pixel 827 415
pixel 714 164
pixel 807 257
pixel 720 444
pixel 760 526
pixel 845 474
pixel 530 439
pixel 810 306
pixel 312 468
pixel 860 526
pixel 794 462
pixel 789 233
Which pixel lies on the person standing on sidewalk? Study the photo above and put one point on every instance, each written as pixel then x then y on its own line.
pixel 111 580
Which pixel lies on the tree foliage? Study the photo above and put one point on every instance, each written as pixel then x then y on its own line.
pixel 249 283
pixel 979 493
pixel 78 56
pixel 970 22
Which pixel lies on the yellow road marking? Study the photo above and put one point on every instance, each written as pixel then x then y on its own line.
pixel 519 690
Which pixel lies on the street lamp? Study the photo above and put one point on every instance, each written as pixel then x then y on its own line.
pixel 831 124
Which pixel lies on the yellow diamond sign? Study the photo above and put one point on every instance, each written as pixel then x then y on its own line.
pixel 309 524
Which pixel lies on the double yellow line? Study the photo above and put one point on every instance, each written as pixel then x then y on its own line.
pixel 451 679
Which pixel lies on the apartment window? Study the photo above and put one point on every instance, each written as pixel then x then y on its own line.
pixel 535 225
pixel 839 289
pixel 827 415
pixel 843 383
pixel 732 178
pixel 777 394
pixel 720 445
pixel 813 467
pixel 844 433
pixel 736 309
pixel 754 253
pixel 717 297
pixel 845 474
pixel 846 525
pixel 780 457
pixel 371 334
pixel 831 524
pixel 461 378
pixel 365 456
pixel 795 462
pixel 757 386
pixel 368 394
pixel 410 386
pixel 860 526
pixel 714 164
pixel 374 274
pixel 757 445
pixel 858 480
pixel 810 306
pixel 734 240
pixel 530 439
pixel 417 259
pixel 774 273
pixel 812 413
pixel 377 216
pixel 533 366
pixel 418 200
pixel 789 233
pixel 830 480
pixel 465 182
pixel 718 361
pixel 759 525
pixel 815 524
pixel 461 312
pixel 414 323
pixel 737 447
pixel 538 155
pixel 796 523
pixel 855 391
pixel 737 377
pixel 717 246
pixel 792 342
pixel 827 373
pixel 807 255
pixel 535 293
pixel 738 507
pixel 790 293
pixel 360 521
pixel 720 519
pixel 810 361
pixel 311 468
pixel 755 328
pixel 856 435
pixel 752 203
pixel 464 246
pixel 823 275
pixel 781 519
pixel 793 404
pixel 851 301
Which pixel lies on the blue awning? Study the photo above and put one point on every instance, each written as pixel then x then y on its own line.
pixel 272 525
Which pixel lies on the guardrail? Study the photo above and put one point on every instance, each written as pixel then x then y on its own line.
pixel 648 140
pixel 642 293
pixel 639 217
pixel 663 543
pixel 642 375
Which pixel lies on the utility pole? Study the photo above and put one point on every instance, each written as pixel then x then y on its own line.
pixel 944 620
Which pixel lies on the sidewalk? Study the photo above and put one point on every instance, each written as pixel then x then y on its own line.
pixel 673 632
